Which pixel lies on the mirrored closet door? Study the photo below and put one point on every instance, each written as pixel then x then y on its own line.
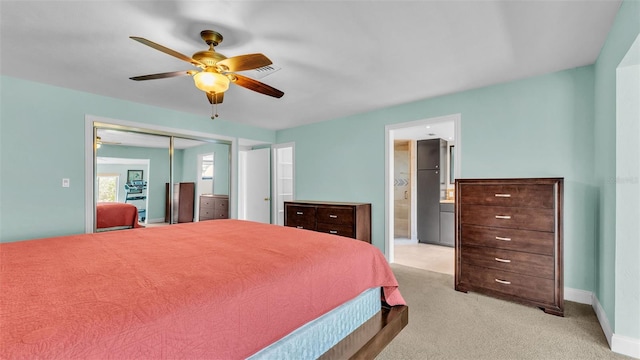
pixel 163 178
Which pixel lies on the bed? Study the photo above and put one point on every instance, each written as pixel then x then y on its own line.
pixel 223 289
pixel 116 216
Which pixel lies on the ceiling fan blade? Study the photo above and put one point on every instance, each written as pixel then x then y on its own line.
pixel 215 98
pixel 244 62
pixel 166 50
pixel 255 85
pixel 163 75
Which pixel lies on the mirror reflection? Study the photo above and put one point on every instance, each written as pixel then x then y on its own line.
pixel 133 171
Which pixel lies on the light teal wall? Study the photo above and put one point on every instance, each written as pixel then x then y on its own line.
pixel 42 130
pixel 624 31
pixel 537 127
pixel 221 159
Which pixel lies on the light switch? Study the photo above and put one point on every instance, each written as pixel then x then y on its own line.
pixel 65 182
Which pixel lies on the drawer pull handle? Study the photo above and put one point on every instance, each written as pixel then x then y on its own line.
pixel 503 282
pixel 506 217
pixel 333 231
pixel 299 213
pixel 333 216
pixel 503 195
pixel 299 227
pixel 503 238
pixel 503 260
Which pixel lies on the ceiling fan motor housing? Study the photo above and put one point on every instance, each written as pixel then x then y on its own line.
pixel 208 57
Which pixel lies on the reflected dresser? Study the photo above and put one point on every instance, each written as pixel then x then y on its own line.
pixel 213 207
pixel 508 241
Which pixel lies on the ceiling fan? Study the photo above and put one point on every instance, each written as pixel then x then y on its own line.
pixel 215 71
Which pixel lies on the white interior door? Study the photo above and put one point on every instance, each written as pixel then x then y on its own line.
pixel 257 185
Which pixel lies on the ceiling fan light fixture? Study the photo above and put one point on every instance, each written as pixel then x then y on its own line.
pixel 211 82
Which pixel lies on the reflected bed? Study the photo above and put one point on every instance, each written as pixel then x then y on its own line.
pixel 213 289
pixel 116 216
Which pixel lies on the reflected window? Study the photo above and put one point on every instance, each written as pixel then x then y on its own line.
pixel 207 167
pixel 108 185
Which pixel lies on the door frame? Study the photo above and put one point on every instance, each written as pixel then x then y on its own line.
pixel 389 138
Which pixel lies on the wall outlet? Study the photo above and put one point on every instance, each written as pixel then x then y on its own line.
pixel 65 182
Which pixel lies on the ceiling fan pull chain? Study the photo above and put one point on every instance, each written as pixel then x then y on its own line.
pixel 214 107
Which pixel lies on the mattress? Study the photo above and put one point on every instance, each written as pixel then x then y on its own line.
pixel 319 335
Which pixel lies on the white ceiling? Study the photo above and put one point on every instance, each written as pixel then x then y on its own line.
pixel 444 130
pixel 336 58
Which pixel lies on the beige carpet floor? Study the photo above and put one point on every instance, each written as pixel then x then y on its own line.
pixel 447 324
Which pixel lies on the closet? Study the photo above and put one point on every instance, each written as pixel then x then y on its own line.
pixel 171 158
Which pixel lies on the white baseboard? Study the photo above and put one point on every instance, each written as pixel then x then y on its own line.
pixel 602 318
pixel 625 345
pixel 153 221
pixel 579 296
pixel 617 343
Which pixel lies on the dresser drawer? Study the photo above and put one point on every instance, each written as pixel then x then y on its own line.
pixel 301 217
pixel 521 286
pixel 207 202
pixel 335 215
pixel 336 229
pixel 537 242
pixel 521 195
pixel 508 217
pixel 222 204
pixel 206 213
pixel 508 260
pixel 221 213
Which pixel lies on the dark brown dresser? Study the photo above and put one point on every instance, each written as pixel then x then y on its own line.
pixel 509 240
pixel 340 218
pixel 213 207
pixel 183 201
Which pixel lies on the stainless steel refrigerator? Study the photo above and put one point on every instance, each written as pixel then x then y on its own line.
pixel 429 159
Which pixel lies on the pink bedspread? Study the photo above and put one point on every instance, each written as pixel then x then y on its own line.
pixel 218 289
pixel 111 214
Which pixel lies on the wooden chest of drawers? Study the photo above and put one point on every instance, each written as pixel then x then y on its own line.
pixel 340 218
pixel 509 240
pixel 214 207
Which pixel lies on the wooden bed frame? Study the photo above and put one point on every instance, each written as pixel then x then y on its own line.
pixel 367 341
